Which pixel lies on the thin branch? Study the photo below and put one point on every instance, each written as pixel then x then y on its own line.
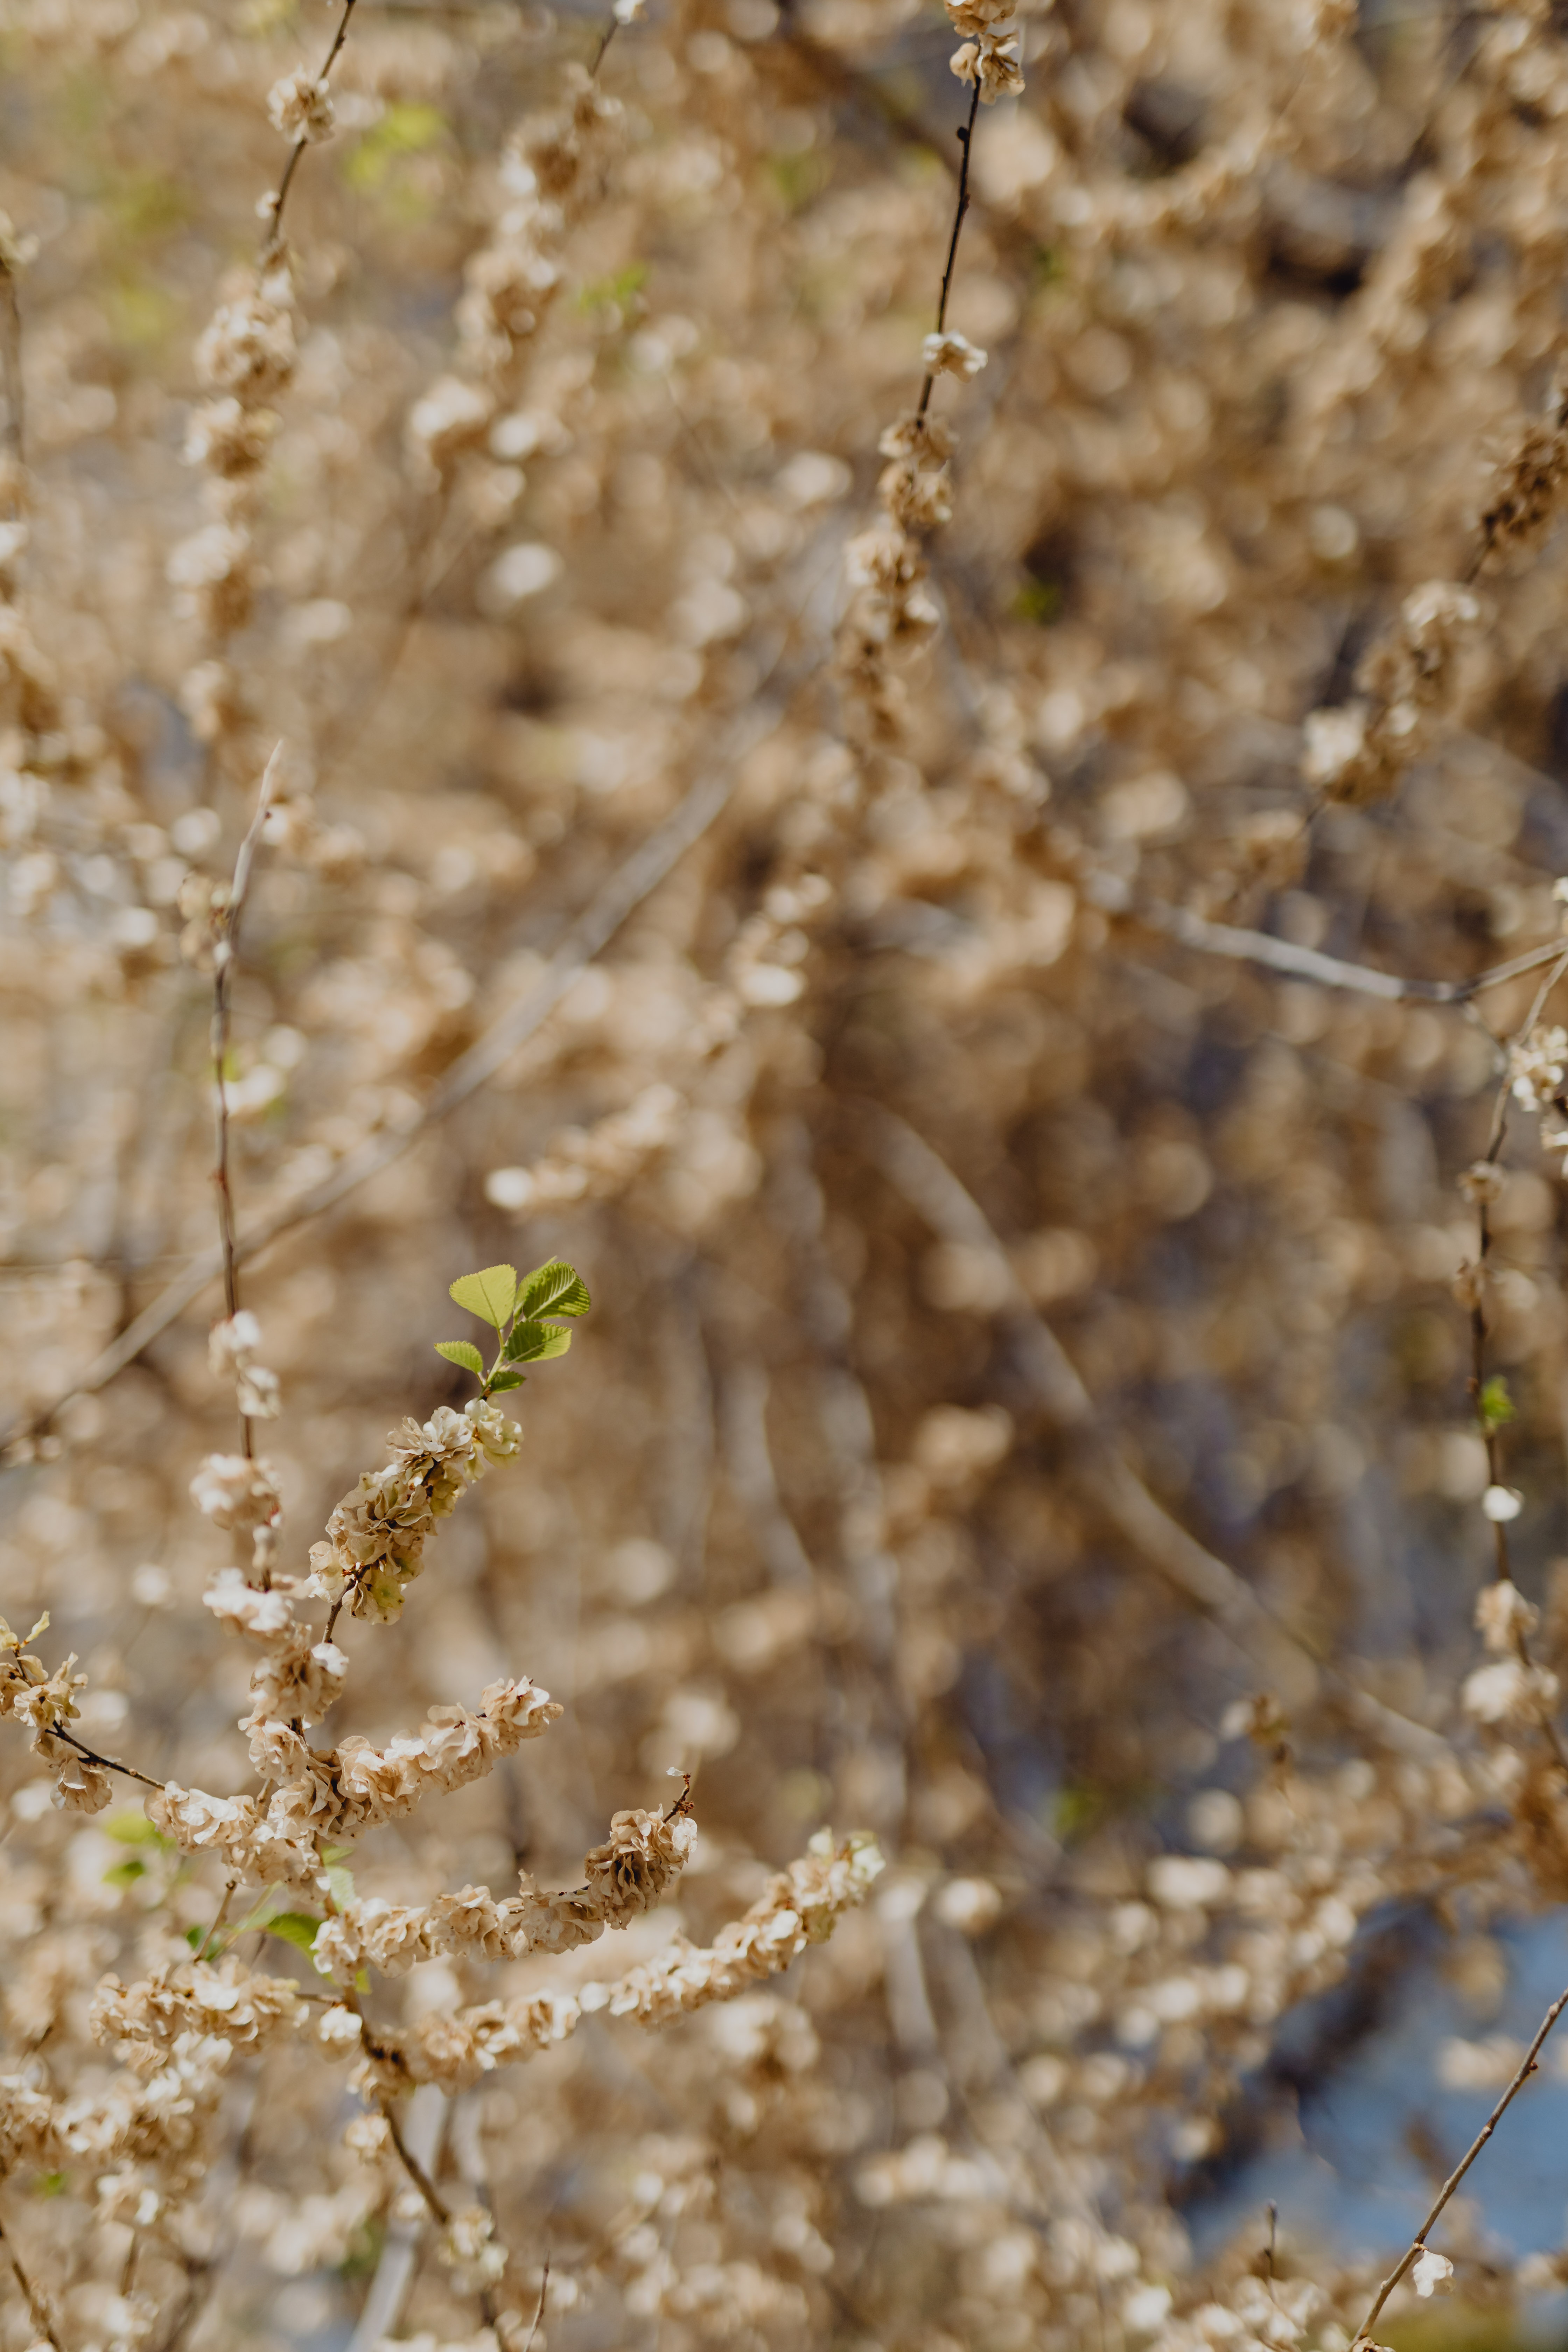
pixel 11 412
pixel 1309 963
pixel 224 951
pixel 611 28
pixel 636 879
pixel 108 1763
pixel 544 2291
pixel 218 1917
pixel 36 2307
pixel 273 205
pixel 965 136
pixel 435 2202
pixel 1417 2245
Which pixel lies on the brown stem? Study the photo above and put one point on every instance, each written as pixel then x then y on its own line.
pixel 273 238
pixel 1417 2245
pixel 966 140
pixel 108 1763
pixel 605 38
pixel 539 2314
pixel 440 2209
pixel 219 1919
pixel 11 378
pixel 36 2305
pixel 224 952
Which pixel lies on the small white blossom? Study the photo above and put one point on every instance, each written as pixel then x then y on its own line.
pixel 1507 1692
pixel 1502 1615
pixel 1537 1065
pixel 1501 1504
pixel 300 107
pixel 953 355
pixel 233 1350
pixel 1432 2274
pixel 235 1493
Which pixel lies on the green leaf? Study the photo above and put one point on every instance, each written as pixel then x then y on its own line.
pixel 342 1883
pixel 488 1294
pixel 300 1927
pixel 362 1980
pixel 464 1352
pixel 536 1343
pixel 196 1938
pixel 553 1289
pixel 125 1874
pixel 134 1828
pixel 506 1380
pixel 1497 1405
pixel 49 2184
pixel 331 1853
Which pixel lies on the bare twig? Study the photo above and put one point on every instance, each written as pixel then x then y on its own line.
pixel 539 2314
pixel 436 2203
pixel 36 2307
pixel 965 136
pixel 226 948
pixel 219 1915
pixel 1330 971
pixel 272 207
pixel 109 1763
pixel 1417 2245
pixel 11 412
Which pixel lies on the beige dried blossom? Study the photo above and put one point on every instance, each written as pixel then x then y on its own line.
pixel 376 1536
pixel 234 1347
pixel 231 440
pixel 1413 679
pixel 240 1496
pixel 1508 1692
pixel 1537 1065
pixel 952 354
pixel 1503 1617
pixel 1530 480
pixel 991 62
pixel 248 350
pixel 300 107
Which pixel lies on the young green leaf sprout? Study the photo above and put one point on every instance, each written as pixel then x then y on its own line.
pixel 523 1313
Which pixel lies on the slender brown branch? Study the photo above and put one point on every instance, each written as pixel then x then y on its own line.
pixel 11 411
pixel 1417 2245
pixel 539 2314
pixel 436 2203
pixel 965 136
pixel 36 2307
pixel 108 1763
pixel 274 204
pixel 219 1915
pixel 612 27
pixel 224 951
